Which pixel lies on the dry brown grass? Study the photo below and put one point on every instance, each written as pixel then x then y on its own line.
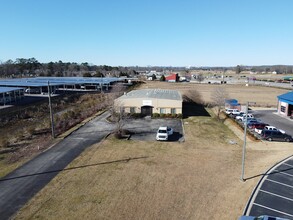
pixel 197 179
pixel 263 96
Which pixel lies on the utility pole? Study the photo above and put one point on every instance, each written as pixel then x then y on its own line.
pixel 244 141
pixel 244 144
pixel 51 111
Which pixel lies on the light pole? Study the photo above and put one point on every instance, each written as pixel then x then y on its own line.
pixel 244 141
pixel 51 111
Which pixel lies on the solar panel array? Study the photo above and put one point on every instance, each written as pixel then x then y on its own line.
pixel 9 89
pixel 57 81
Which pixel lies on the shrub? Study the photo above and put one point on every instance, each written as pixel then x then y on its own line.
pixel 156 115
pixel 169 115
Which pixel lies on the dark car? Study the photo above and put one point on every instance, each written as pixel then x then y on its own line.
pixel 275 136
pixel 252 122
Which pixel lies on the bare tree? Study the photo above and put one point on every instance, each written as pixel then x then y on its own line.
pixel 219 96
pixel 118 114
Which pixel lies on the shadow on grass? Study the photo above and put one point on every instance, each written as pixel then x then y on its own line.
pixel 194 109
pixel 74 168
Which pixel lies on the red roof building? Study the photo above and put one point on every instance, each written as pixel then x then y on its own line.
pixel 172 78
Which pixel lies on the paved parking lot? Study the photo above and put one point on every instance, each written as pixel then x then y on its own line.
pixel 146 129
pixel 274 194
pixel 270 117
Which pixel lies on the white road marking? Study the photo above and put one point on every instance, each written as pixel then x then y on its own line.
pixel 279 183
pixel 284 173
pixel 283 197
pixel 275 210
pixel 289 165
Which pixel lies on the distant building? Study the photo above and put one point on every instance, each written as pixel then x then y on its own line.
pixel 285 104
pixel 172 78
pixel 149 101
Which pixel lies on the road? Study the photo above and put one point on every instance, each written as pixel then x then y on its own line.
pixel 22 184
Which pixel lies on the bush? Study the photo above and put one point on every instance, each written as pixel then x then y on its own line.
pixel 169 115
pixel 156 115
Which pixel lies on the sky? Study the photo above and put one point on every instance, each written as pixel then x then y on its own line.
pixel 148 32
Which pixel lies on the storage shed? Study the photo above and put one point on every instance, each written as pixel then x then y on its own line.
pixel 149 101
pixel 285 104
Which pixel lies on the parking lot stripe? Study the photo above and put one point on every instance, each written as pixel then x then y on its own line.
pixel 284 213
pixel 284 173
pixel 280 183
pixel 289 165
pixel 273 194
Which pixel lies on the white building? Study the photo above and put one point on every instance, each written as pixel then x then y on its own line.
pixel 149 101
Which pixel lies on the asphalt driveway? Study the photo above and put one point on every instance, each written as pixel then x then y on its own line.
pixel 22 184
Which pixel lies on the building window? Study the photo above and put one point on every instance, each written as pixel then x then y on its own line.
pixel 132 110
pixel 162 111
pixel 173 111
pixel 283 109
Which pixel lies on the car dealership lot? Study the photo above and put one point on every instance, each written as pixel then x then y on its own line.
pixel 271 117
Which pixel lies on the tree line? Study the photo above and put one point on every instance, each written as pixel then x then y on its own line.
pixel 22 67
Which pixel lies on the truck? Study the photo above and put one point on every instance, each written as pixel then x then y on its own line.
pixel 269 128
pixel 233 112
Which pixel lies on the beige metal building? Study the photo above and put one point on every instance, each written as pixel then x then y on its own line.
pixel 149 101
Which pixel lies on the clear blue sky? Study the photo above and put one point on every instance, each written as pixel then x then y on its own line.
pixel 148 32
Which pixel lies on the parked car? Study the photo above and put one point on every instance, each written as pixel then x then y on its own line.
pixel 163 133
pixel 251 121
pixel 270 128
pixel 272 135
pixel 262 217
pixel 233 112
pixel 242 117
